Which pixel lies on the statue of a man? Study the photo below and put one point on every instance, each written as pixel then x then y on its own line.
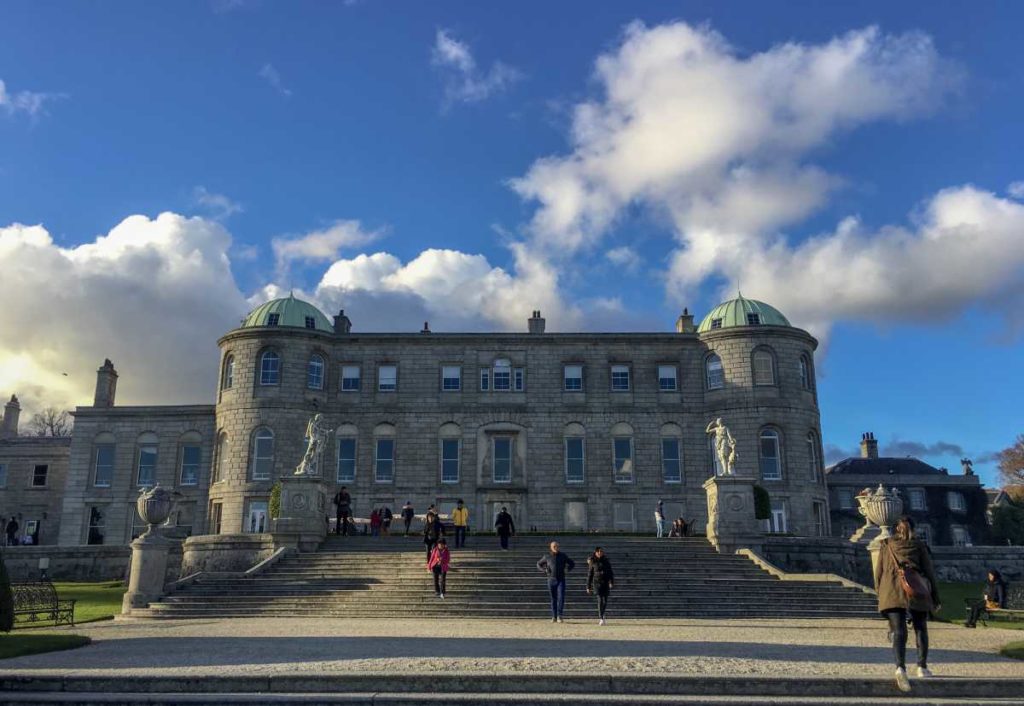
pixel 725 446
pixel 316 434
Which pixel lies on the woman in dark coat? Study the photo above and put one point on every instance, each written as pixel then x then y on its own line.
pixel 433 530
pixel 994 598
pixel 600 579
pixel 905 550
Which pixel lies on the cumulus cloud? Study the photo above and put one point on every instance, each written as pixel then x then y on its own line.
pixel 320 245
pixel 31 103
pixel 217 206
pixel 1016 190
pixel 464 81
pixel 273 77
pixel 625 257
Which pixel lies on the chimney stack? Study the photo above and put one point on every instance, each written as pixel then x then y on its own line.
pixel 868 446
pixel 426 327
pixel 342 324
pixel 684 324
pixel 536 322
pixel 106 385
pixel 12 410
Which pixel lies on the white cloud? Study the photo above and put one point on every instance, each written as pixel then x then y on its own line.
pixel 464 82
pixel 320 245
pixel 1016 190
pixel 28 102
pixel 625 257
pixel 273 77
pixel 219 206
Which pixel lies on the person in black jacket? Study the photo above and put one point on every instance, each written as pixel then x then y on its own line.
pixel 407 514
pixel 433 530
pixel 505 527
pixel 555 564
pixel 600 579
pixel 343 501
pixel 994 599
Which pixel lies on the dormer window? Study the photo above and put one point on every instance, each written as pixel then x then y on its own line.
pixel 716 324
pixel 273 319
pixel 753 319
pixel 310 322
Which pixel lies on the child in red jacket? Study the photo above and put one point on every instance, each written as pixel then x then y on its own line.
pixel 439 558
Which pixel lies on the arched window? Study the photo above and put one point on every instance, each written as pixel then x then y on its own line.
pixel 384 453
pixel 228 378
pixel 813 457
pixel 671 453
pixel 450 447
pixel 715 373
pixel 315 372
pixel 622 453
pixel 764 367
pixel 806 372
pixel 262 454
pixel 348 436
pixel 270 368
pixel 771 456
pixel 220 453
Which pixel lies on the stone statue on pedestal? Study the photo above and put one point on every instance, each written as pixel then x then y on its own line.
pixel 725 446
pixel 316 437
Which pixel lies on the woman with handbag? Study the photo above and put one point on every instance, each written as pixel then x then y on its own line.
pixel 906 584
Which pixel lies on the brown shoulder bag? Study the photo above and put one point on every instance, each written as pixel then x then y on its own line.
pixel 914 585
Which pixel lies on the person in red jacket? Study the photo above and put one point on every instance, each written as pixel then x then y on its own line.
pixel 438 564
pixel 375 522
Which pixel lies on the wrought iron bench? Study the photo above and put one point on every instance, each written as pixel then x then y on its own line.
pixel 1014 609
pixel 37 601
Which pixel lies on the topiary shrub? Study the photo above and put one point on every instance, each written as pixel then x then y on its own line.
pixel 6 599
pixel 275 501
pixel 762 504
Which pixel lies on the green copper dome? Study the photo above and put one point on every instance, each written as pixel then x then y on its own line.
pixel 289 312
pixel 742 312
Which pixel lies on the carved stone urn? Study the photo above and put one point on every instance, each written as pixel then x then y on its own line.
pixel 154 506
pixel 882 508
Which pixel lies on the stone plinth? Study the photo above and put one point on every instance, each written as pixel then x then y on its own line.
pixel 148 573
pixel 731 521
pixel 303 520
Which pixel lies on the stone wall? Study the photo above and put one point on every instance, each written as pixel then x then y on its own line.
pixel 30 497
pixel 84 563
pixel 225 552
pixel 971 564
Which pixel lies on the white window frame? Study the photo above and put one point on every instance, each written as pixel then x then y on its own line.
pixel 257 459
pixel 518 379
pixel 494 458
pixel 619 370
pixel 714 372
pixel 571 383
pixel 198 464
pixel 763 376
pixel 229 372
pixel 821 521
pixel 485 379
pixel 764 434
pixel 270 375
pixel 501 375
pixel 842 493
pixel 96 465
pixel 378 460
pixel 448 459
pixel 917 499
pixel 99 513
pixel 955 501
pixel 582 459
pixel 387 378
pixel 666 459
pixel 255 505
pixel 354 459
pixel 780 510
pixel 138 465
pixel 805 372
pixel 315 379
pixel 812 452
pixel 668 373
pixel 630 462
pixel 451 378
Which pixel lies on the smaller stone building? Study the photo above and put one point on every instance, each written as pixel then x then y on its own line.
pixel 33 470
pixel 948 510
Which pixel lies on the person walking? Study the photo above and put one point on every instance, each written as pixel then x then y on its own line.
pixel 556 564
pixel 994 598
pixel 343 501
pixel 438 563
pixel 375 523
pixel 408 513
pixel 600 580
pixel 12 531
pixel 460 518
pixel 386 516
pixel 505 527
pixel 659 519
pixel 905 559
pixel 433 530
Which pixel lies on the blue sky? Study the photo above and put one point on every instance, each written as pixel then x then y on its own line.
pixel 553 177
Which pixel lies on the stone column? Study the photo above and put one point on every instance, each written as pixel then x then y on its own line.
pixel 303 520
pixel 148 570
pixel 731 521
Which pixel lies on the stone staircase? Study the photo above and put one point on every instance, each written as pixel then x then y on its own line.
pixel 365 577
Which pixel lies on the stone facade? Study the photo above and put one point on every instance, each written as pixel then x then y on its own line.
pixel 33 472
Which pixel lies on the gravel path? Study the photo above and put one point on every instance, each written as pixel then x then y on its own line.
pixel 739 647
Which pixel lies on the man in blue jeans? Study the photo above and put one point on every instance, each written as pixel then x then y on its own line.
pixel 555 564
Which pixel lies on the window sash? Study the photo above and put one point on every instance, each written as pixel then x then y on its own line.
pixel 575 464
pixel 450 460
pixel 771 463
pixel 315 374
pixel 190 458
pixel 812 453
pixel 451 378
pixel 519 379
pixel 229 372
pixel 715 373
pixel 667 378
pixel 502 463
pixel 572 378
pixel 622 462
pixel 502 379
pixel 384 461
pixel 846 501
pixel 916 498
pixel 805 373
pixel 764 370
pixel 346 460
pixel 270 369
pixel 485 379
pixel 387 378
pixel 218 466
pixel 263 457
pixel 620 378
pixel 671 467
pixel 103 466
pixel 955 501
pixel 146 474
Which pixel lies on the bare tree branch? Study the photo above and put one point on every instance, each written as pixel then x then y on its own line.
pixel 51 422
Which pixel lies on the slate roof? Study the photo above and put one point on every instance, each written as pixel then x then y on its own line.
pixel 884 466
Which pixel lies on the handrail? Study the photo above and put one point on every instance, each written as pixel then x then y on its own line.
pixel 787 576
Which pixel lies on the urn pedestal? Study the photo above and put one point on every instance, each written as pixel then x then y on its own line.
pixel 881 508
pixel 148 573
pixel 302 523
pixel 731 521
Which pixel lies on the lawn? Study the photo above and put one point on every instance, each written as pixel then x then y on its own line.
pixel 953 610
pixel 13 645
pixel 96 601
pixel 1014 650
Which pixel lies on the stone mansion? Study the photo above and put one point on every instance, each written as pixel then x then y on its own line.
pixel 570 431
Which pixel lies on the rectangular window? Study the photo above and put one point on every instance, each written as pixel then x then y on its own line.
pixel 3 475
pixel 39 474
pixel 387 378
pixel 384 463
pixel 845 498
pixel 485 379
pixel 753 319
pixel 671 468
pixel 97 525
pixel 147 465
pixel 777 524
pixel 955 500
pixel 519 379
pixel 346 460
pixel 310 322
pixel 451 378
pixel 450 460
pixel 273 319
pixel 350 378
pixel 620 378
pixel 572 376
pixel 257 521
pixel 502 460
pixel 502 379
pixel 574 464
pixel 263 456
pixel 667 378
pixel 961 538
pixel 623 459
pixel 764 368
pixel 917 499
pixel 103 465
pixel 190 456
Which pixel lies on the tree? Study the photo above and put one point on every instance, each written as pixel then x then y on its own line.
pixel 51 422
pixel 1011 463
pixel 1008 523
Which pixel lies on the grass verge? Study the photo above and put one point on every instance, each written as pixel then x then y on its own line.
pixel 19 645
pixel 1014 650
pixel 96 601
